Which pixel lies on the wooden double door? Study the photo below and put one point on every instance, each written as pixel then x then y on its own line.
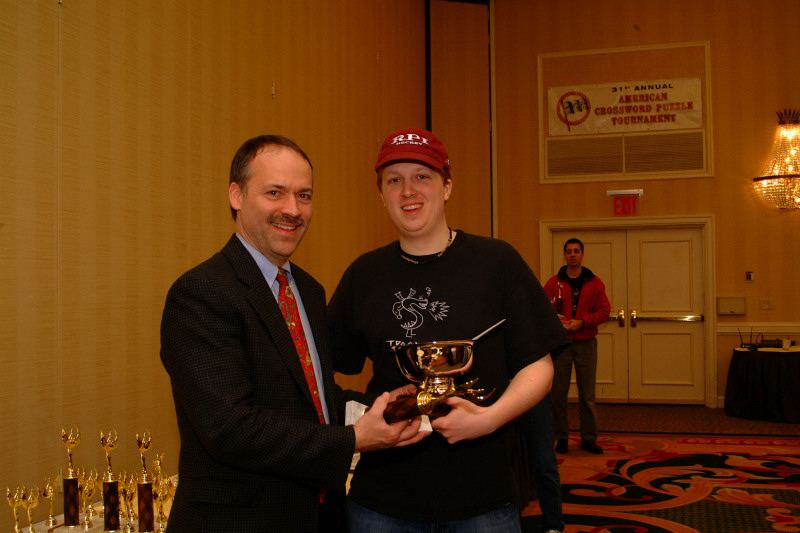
pixel 652 348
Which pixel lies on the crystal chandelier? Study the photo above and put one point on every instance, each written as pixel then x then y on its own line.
pixel 779 183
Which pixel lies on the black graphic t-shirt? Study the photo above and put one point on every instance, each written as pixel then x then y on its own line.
pixel 383 300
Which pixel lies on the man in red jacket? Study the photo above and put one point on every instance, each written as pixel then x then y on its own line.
pixel 581 302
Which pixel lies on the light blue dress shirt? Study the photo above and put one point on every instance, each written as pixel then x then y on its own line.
pixel 270 272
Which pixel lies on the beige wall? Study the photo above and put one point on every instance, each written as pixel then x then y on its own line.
pixel 118 120
pixel 460 108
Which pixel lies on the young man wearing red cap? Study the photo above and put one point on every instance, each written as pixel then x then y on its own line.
pixel 435 283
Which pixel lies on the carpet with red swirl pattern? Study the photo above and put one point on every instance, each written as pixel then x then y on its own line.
pixel 664 483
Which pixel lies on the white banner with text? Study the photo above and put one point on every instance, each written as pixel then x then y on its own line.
pixel 624 107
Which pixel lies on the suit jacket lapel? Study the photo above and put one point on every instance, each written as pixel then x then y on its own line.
pixel 266 307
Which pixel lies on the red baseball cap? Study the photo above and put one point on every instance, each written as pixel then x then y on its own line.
pixel 413 144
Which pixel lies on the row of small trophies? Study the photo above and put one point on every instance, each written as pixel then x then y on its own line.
pixel 119 492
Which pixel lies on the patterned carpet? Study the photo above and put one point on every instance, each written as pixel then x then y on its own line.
pixel 683 419
pixel 654 483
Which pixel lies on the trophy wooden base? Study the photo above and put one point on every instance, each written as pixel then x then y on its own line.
pixel 111 506
pixel 147 521
pixel 407 407
pixel 71 502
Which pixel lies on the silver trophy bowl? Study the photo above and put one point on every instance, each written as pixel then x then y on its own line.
pixel 418 361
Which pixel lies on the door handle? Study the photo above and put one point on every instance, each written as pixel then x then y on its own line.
pixel 621 318
pixel 633 318
pixel 687 318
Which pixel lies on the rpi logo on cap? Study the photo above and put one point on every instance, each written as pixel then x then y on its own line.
pixel 410 138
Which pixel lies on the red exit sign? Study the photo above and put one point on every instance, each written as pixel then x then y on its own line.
pixel 625 205
pixel 626 202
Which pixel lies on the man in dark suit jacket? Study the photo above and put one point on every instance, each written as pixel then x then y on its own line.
pixel 254 455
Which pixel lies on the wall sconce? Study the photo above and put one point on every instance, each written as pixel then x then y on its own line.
pixel 779 183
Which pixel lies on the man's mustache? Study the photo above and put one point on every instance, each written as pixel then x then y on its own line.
pixel 289 221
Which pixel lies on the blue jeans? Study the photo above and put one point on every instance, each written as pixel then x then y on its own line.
pixel 537 427
pixel 502 520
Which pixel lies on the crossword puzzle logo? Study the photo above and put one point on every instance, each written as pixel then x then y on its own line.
pixel 573 108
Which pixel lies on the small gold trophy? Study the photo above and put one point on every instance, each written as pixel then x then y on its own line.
pixel 29 501
pixel 557 302
pixel 145 488
pixel 49 492
pixel 87 484
pixel 435 365
pixel 127 489
pixel 15 502
pixel 70 480
pixel 163 490
pixel 110 485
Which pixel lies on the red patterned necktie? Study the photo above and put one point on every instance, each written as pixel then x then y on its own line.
pixel 288 307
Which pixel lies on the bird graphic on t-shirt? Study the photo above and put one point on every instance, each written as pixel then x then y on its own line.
pixel 414 305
